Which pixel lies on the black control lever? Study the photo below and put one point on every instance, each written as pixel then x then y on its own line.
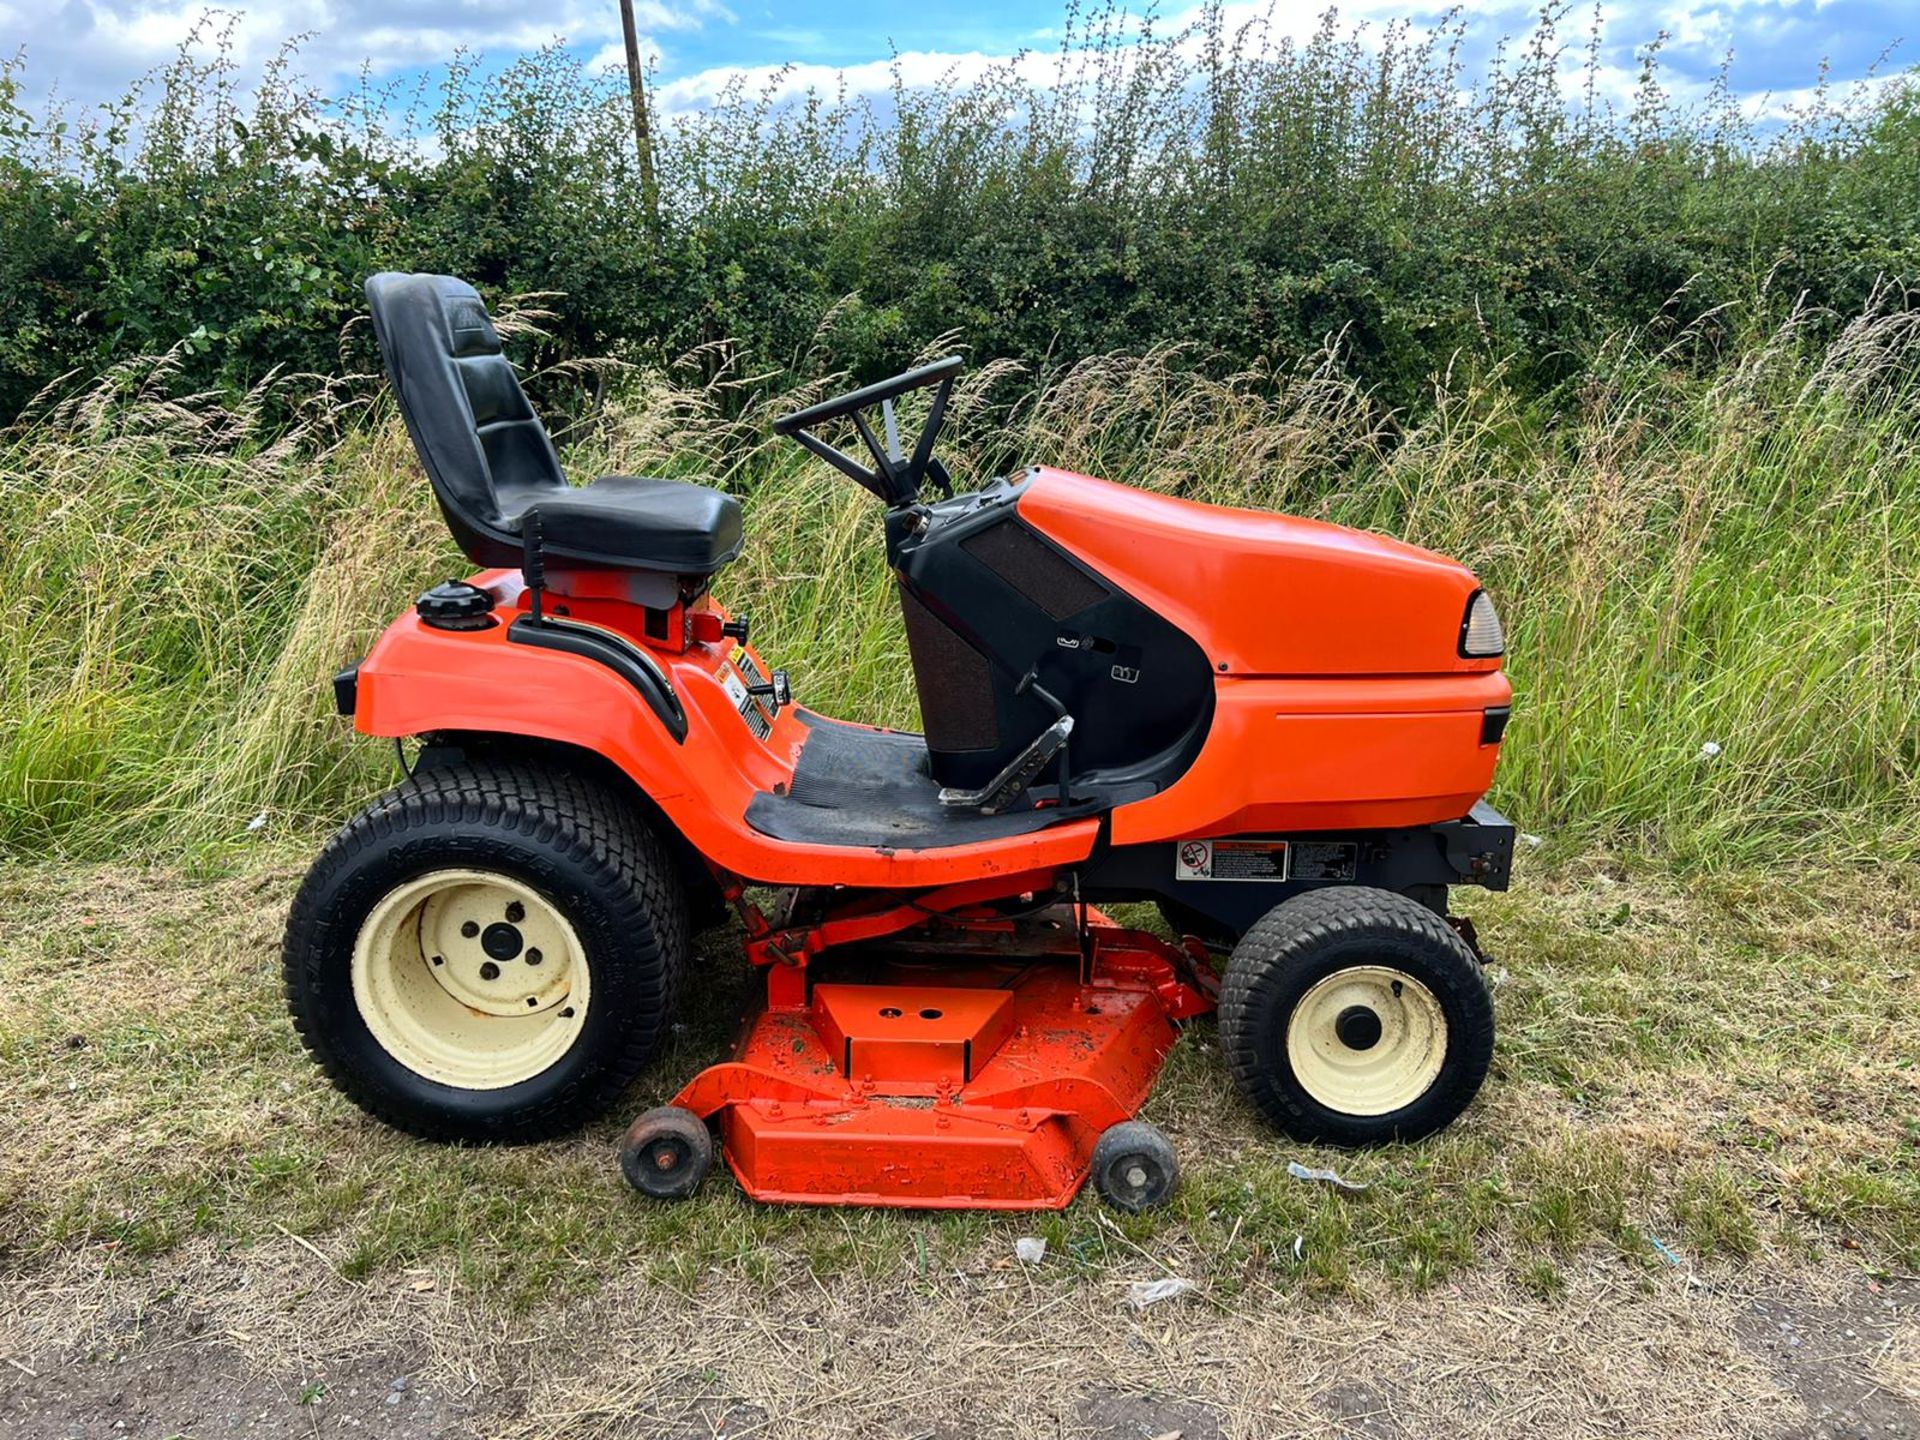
pixel 778 690
pixel 736 628
pixel 533 564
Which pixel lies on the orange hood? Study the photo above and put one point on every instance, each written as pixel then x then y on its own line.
pixel 1265 594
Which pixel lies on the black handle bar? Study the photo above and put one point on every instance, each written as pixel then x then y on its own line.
pixel 867 395
pixel 893 476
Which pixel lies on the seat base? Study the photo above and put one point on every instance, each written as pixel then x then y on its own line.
pixel 637 521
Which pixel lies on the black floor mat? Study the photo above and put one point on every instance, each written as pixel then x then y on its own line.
pixel 867 788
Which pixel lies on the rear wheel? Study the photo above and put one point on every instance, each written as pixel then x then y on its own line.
pixel 1356 1016
pixel 487 952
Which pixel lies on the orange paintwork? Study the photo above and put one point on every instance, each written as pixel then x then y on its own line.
pixel 1352 754
pixel 1264 594
pixel 417 679
pixel 1340 702
pixel 1340 699
pixel 993 1103
pixel 915 1039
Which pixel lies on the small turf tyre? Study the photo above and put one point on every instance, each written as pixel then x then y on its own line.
pixel 1134 1167
pixel 666 1153
pixel 1329 977
pixel 579 870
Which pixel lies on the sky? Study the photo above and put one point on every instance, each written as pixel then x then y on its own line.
pixel 88 50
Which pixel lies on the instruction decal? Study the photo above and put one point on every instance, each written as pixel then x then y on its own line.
pixel 1329 861
pixel 1231 860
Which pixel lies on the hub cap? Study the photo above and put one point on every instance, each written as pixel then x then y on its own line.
pixel 1367 1040
pixel 470 978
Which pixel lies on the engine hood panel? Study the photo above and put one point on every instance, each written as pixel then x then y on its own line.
pixel 1264 594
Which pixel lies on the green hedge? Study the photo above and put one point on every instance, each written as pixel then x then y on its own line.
pixel 1248 198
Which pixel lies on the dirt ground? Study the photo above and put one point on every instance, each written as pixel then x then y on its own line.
pixel 274 1343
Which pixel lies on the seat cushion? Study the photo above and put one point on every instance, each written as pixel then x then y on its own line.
pixel 634 521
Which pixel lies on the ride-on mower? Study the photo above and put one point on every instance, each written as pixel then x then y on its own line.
pixel 1278 730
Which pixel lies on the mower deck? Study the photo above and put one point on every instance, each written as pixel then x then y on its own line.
pixel 986 1090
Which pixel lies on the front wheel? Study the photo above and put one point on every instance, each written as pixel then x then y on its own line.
pixel 487 952
pixel 1354 1016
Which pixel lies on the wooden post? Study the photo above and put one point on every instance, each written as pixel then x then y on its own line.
pixel 642 130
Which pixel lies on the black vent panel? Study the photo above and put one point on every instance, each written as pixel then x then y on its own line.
pixel 1034 568
pixel 955 684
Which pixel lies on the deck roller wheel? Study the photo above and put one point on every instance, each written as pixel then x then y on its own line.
pixel 667 1153
pixel 1355 1016
pixel 1134 1167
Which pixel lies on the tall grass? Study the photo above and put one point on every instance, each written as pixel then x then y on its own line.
pixel 1711 581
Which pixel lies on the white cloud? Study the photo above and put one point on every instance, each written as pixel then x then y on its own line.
pixel 92 48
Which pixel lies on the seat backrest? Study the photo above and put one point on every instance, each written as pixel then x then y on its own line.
pixel 484 449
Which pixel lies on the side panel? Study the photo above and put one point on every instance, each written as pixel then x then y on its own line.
pixel 1328 754
pixel 418 680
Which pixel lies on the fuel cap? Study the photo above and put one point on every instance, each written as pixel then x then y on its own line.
pixel 456 605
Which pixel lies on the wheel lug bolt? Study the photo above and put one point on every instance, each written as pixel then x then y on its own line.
pixel 534 956
pixel 516 912
pixel 470 929
pixel 489 971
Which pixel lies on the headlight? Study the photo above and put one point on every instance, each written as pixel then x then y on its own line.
pixel 1480 633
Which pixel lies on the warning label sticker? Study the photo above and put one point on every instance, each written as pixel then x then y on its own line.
pixel 1231 860
pixel 1328 860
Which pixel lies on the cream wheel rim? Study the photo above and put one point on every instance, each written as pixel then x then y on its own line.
pixel 471 978
pixel 1367 1040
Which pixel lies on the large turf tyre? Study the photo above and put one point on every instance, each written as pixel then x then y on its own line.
pixel 452 901
pixel 1353 1016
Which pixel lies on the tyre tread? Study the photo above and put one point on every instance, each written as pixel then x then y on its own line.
pixel 560 811
pixel 1284 937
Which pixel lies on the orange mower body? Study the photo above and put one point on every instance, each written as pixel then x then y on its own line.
pixel 1246 718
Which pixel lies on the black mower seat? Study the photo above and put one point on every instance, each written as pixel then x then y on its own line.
pixel 651 524
pixel 493 467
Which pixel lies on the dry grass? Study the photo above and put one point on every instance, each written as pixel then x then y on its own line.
pixel 1707 976
pixel 1722 1064
pixel 1680 559
pixel 977 1350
